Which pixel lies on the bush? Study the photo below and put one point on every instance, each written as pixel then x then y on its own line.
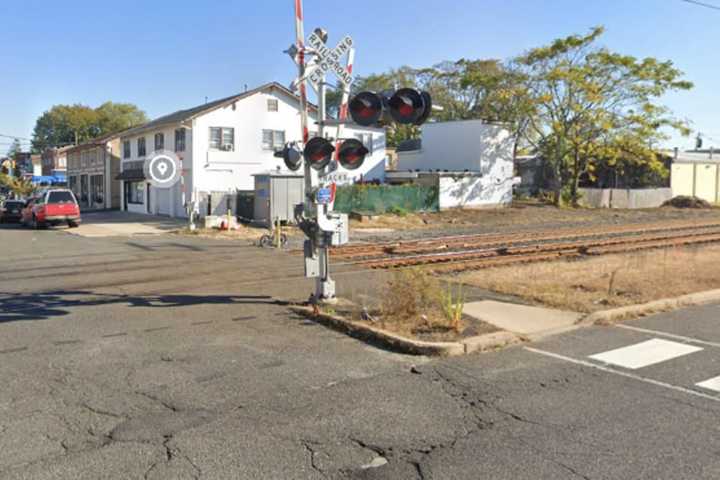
pixel 411 293
pixel 453 305
pixel 399 211
pixel 415 301
pixel 687 202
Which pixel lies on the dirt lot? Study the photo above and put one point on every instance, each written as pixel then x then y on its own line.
pixel 519 216
pixel 605 282
pixel 250 234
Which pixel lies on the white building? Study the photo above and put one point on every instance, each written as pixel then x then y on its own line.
pixel 472 162
pixel 222 144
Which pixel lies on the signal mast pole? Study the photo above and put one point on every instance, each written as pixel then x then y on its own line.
pixel 316 218
pixel 300 42
pixel 324 285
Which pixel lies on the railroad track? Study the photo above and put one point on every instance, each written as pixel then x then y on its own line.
pixel 464 242
pixel 472 252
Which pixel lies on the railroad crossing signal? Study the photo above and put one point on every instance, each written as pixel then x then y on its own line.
pixel 352 154
pixel 291 155
pixel 322 226
pixel 319 152
pixel 407 106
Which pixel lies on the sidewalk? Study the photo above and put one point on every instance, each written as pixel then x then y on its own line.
pixel 528 321
pixel 122 224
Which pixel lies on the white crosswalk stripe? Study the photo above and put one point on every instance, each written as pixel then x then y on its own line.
pixel 677 373
pixel 645 353
pixel 712 384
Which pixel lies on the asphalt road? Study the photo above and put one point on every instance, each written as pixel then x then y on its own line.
pixel 171 358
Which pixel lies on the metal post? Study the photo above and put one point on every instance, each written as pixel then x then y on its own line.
pixel 317 220
pixel 324 285
pixel 343 113
pixel 304 132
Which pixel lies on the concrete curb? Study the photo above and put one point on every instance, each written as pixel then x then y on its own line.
pixel 400 344
pixel 615 315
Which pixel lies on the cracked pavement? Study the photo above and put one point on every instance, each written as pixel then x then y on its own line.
pixel 168 362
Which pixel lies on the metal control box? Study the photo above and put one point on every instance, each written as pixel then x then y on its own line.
pixel 312 262
pixel 276 195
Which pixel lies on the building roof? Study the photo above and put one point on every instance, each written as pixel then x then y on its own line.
pixel 695 157
pixel 190 113
pixel 94 142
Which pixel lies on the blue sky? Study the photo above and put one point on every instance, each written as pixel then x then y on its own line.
pixel 166 55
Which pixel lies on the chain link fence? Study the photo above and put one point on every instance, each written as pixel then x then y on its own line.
pixel 386 198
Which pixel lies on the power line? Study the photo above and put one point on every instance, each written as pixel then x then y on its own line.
pixel 15 137
pixel 702 4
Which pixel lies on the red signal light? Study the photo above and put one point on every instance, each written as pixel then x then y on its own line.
pixel 352 154
pixel 318 152
pixel 406 106
pixel 366 108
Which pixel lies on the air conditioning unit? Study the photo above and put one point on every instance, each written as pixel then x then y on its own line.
pixel 227 147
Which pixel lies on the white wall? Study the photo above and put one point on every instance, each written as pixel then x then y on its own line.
pixel 474 191
pixel 457 146
pixel 469 145
pixel 177 205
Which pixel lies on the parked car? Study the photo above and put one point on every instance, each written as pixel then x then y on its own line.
pixel 11 211
pixel 52 207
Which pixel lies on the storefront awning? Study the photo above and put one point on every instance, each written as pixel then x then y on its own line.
pixel 48 180
pixel 132 175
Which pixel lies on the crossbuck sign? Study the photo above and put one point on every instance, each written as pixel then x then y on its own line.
pixel 329 60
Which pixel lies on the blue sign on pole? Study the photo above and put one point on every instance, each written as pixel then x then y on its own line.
pixel 323 196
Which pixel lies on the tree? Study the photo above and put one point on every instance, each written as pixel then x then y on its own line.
pixel 466 89
pixel 116 117
pixel 18 185
pixel 72 124
pixel 588 106
pixel 22 187
pixel 65 125
pixel 15 148
pixel 333 98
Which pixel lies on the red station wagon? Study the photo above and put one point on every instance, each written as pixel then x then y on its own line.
pixel 53 207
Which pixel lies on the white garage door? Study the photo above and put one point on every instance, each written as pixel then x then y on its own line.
pixel 164 201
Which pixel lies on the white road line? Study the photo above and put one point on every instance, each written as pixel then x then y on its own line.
pixel 670 335
pixel 645 353
pixel 624 374
pixel 712 384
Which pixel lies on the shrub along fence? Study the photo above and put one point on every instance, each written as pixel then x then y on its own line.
pixel 386 198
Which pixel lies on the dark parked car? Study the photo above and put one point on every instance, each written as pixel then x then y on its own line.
pixel 11 211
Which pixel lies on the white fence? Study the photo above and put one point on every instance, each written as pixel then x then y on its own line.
pixel 624 198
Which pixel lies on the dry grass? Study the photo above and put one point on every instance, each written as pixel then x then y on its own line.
pixel 242 233
pixel 606 282
pixel 417 304
pixel 395 222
